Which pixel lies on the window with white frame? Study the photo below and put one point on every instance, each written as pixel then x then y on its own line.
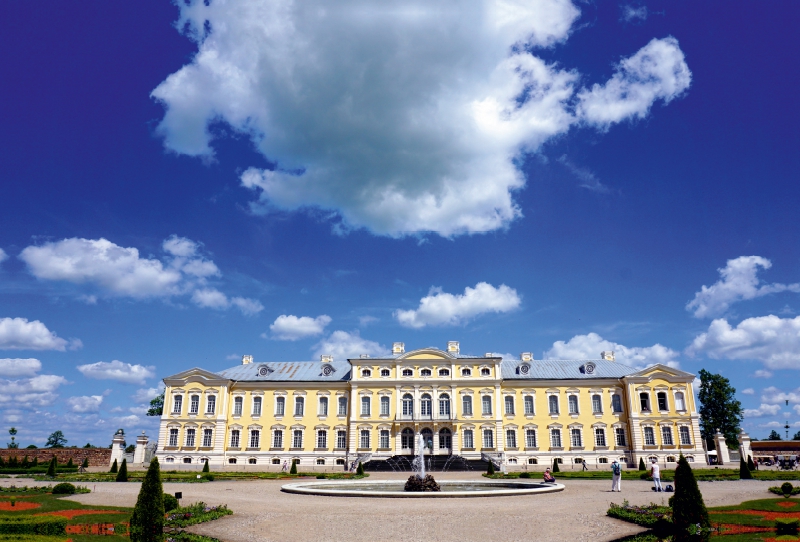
pixel 177 404
pixel 444 405
pixel 364 438
pixel 686 438
pixel 644 401
pixel 231 460
pixel 299 406
pixel 485 371
pixel 555 438
pixel 511 438
pixel 530 438
pixel 509 404
pixel 552 402
pixel 425 372
pixel 488 438
pixel 466 405
pixel 211 404
pixel 207 438
pixel 194 404
pixel 408 405
pixel 237 406
pixel 320 461
pixel 323 406
pixel 616 403
pixel 234 438
pixel 276 460
pixel 468 438
pixel 666 436
pixel 575 438
pixel 407 439
pixel 425 405
pixel 649 436
pixel 342 406
pixel 680 401
pixel 386 373
pixel 257 406
pixel 173 437
pixel 466 372
pixel 663 405
pixel 573 404
pixel 533 461
pixel 599 436
pixel 597 404
pixel 619 434
pixel 280 406
pixel 385 405
pixel 341 439
pixel 408 372
pixel 365 406
pixel 528 405
pixel 486 404
pixel 190 438
pixel 444 372
pixel 297 438
pixel 366 373
pixel 255 438
pixel 277 439
pixel 384 439
pixel 322 438
pixel 251 461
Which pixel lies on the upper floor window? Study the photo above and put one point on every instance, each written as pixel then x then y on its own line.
pixel 597 404
pixel 573 404
pixel 644 401
pixel 299 406
pixel 444 405
pixel 599 436
pixel 555 438
pixel 407 439
pixel 466 405
pixel 616 402
pixel 444 372
pixel 386 372
pixel 619 435
pixel 364 440
pixel 341 439
pixel 211 404
pixel 256 406
pixel 666 436
pixel 576 440
pixel 486 371
pixel 469 441
pixel 680 401
pixel 425 405
pixel 322 439
pixel 686 438
pixel 207 433
pixel 488 438
pixel 235 438
pixel 323 406
pixel 173 437
pixel 384 439
pixel 384 406
pixel 237 406
pixel 366 373
pixel 365 406
pixel 190 438
pixel 297 438
pixel 486 404
pixel 528 402
pixel 194 404
pixel 649 436
pixel 177 404
pixel 342 406
pixel 662 401
pixel 277 439
pixel 511 438
pixel 280 406
pixel 408 405
pixel 466 372
pixel 408 372
pixel 552 402
pixel 425 372
pixel 530 438
pixel 509 403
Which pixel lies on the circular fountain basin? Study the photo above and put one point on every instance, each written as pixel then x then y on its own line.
pixel 394 488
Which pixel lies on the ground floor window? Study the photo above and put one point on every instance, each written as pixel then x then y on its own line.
pixel 603 460
pixel 533 461
pixel 469 441
pixel 559 460
pixel 340 461
pixel 251 461
pixel 384 438
pixel 276 460
pixel 173 437
pixel 407 439
pixel 364 442
pixel 578 460
pixel 488 438
pixel 232 460
pixel 512 461
pixel 187 459
pixel 670 459
pixel 320 461
pixel 341 439
pixel 170 460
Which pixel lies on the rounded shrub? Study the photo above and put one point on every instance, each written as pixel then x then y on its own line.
pixel 786 489
pixel 170 502
pixel 64 488
pixel 525 475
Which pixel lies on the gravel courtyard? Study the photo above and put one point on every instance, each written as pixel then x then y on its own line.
pixel 263 513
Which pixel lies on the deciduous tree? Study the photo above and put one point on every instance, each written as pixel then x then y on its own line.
pixel 719 410
pixel 56 440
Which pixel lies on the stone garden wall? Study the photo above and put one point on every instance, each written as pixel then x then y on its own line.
pixel 98 457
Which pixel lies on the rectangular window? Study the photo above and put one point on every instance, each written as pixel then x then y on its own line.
pixel 686 438
pixel 384 406
pixel 323 406
pixel 469 441
pixel 662 401
pixel 364 441
pixel 341 439
pixel 365 406
pixel 509 406
pixel 552 402
pixel 573 404
pixel 644 400
pixel 177 404
pixel 599 437
pixel 299 406
pixel 486 402
pixel 619 432
pixel 297 438
pixel 237 406
pixel 280 406
pixel 680 402
pixel 194 404
pixel 255 438
pixel 207 438
pixel 597 404
pixel 511 438
pixel 322 439
pixel 528 405
pixel 466 405
pixel 256 406
pixel 616 402
pixel 190 438
pixel 555 438
pixel 277 439
pixel 384 443
pixel 530 438
pixel 342 406
pixel 211 404
pixel 488 438
pixel 235 438
pixel 649 436
pixel 173 437
pixel 576 439
pixel 666 436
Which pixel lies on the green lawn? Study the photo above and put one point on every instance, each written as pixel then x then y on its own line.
pixel 192 477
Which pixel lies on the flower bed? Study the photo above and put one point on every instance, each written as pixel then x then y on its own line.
pixel 194 514
pixel 652 516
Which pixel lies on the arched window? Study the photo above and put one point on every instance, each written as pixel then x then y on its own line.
pixel 425 372
pixel 486 404
pixel 320 461
pixel 341 439
pixel 670 459
pixel 533 461
pixel 277 439
pixel 662 401
pixel 408 372
pixel 365 406
pixel 256 406
pixel 573 404
pixel 323 406
pixel 552 401
pixel 232 460
pixel 445 439
pixel 686 438
pixel 485 371
pixel 187 459
pixel 427 438
pixel 616 402
pixel 644 401
pixel 408 405
pixel 649 436
pixel 251 461
pixel 444 405
pixel 322 438
pixel 365 373
pixel 680 401
pixel 280 406
pixel 578 460
pixel 276 460
pixel 511 438
pixel 342 406
pixel 237 406
pixel 555 438
pixel 194 404
pixel 466 372
pixel 603 460
pixel 469 439
pixel 386 373
pixel 235 438
pixel 597 404
pixel 509 402
pixel 177 404
pixel 530 438
pixel 488 438
pixel 297 438
pixel 384 406
pixel 425 405
pixel 466 405
pixel 666 436
pixel 407 439
pixel 383 439
pixel 528 404
pixel 444 372
pixel 340 462
pixel 211 404
pixel 299 406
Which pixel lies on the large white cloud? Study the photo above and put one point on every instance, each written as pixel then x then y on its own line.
pixel 16 367
pixel 20 334
pixel 145 395
pixel 775 395
pixel 122 272
pixel 763 410
pixel 774 341
pixel 739 281
pixel 343 345
pixel 439 308
pixel 590 345
pixel 403 118
pixel 30 392
pixel 117 370
pixel 288 327
pixel 86 403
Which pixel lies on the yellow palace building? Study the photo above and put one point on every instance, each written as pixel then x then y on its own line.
pixel 519 413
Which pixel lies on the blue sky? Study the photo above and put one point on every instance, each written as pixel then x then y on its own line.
pixel 184 185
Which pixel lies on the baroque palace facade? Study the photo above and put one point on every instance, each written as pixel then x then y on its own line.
pixel 520 413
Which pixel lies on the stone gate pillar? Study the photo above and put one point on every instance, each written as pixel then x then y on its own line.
pixel 723 457
pixel 744 444
pixel 141 446
pixel 117 448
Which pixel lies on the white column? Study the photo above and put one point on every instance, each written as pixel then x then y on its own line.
pixel 141 444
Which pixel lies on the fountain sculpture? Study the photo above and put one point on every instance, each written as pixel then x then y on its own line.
pixel 421 481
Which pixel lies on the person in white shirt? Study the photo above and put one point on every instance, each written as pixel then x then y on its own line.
pixel 616 475
pixel 655 472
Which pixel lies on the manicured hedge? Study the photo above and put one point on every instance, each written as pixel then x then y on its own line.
pixel 33 525
pixel 39 470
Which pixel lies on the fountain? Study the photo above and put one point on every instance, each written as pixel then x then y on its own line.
pixel 421 481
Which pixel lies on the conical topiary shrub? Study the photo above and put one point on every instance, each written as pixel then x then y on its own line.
pixel 147 520
pixel 293 470
pixel 555 466
pixel 85 463
pixel 750 464
pixel 641 464
pixel 70 464
pixel 490 468
pixel 205 466
pixel 114 468
pixel 687 504
pixel 122 475
pixel 51 468
pixel 744 470
pixel 360 469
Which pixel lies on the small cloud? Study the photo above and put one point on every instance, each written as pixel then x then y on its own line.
pixel 304 291
pixel 771 424
pixel 343 345
pixel 20 334
pixel 3 255
pixel 145 395
pixel 15 368
pixel 763 410
pixel 633 14
pixel 288 327
pixel 748 391
pixel 761 373
pixel 214 299
pixel 90 403
pixel 117 370
pixel 588 179
pixel 367 320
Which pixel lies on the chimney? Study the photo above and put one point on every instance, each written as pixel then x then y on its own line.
pixel 452 347
pixel 246 360
pixel 526 356
pixel 607 355
pixel 326 358
pixel 398 348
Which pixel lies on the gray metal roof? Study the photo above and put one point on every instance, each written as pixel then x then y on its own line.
pixel 288 371
pixel 564 369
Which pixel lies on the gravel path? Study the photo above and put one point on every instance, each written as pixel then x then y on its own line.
pixel 263 513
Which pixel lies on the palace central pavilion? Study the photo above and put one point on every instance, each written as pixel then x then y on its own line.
pixel 519 413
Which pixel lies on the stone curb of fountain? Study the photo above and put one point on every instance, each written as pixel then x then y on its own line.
pixel 349 489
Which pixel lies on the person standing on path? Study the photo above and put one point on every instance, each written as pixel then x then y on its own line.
pixel 616 476
pixel 655 472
